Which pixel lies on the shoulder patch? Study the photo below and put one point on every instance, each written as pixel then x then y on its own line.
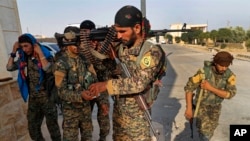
pixel 232 80
pixel 146 61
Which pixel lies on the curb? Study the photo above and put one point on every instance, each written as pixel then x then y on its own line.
pixel 244 56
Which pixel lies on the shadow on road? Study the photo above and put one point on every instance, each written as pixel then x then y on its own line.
pixel 166 107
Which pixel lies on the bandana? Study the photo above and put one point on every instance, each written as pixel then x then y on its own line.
pixel 128 16
pixel 223 58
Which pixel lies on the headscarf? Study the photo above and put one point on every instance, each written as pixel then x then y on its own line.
pixel 128 16
pixel 223 58
pixel 22 81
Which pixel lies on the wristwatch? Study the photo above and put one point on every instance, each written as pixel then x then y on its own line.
pixel 12 54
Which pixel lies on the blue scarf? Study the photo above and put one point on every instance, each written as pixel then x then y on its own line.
pixel 21 79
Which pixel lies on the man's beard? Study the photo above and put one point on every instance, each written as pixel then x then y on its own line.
pixel 131 41
pixel 219 72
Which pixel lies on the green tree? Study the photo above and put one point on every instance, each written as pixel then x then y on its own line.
pixel 177 39
pixel 214 35
pixel 195 36
pixel 204 36
pixel 184 37
pixel 248 44
pixel 225 35
pixel 238 34
pixel 248 34
pixel 169 37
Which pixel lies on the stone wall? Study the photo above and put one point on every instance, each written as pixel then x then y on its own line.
pixel 13 110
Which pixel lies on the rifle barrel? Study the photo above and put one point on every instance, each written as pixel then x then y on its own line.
pixel 164 31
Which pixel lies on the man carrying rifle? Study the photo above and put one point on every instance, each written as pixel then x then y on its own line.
pixel 213 83
pixel 129 119
pixel 102 68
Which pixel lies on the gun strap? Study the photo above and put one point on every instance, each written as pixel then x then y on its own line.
pixel 98 54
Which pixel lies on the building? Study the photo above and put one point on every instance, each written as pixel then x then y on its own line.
pixel 202 27
pixel 13 121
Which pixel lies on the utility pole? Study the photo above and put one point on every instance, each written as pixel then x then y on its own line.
pixel 143 8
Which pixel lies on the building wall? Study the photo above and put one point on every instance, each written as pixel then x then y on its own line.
pixel 202 27
pixel 10 29
pixel 13 121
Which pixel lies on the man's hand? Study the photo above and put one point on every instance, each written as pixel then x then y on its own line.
pixel 15 47
pixel 37 49
pixel 206 85
pixel 86 94
pixel 98 88
pixel 188 113
pixel 105 109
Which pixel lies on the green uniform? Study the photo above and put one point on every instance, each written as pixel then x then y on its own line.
pixel 129 121
pixel 76 110
pixel 210 105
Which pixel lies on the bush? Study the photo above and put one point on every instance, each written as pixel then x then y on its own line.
pixel 222 46
pixel 177 39
pixel 247 44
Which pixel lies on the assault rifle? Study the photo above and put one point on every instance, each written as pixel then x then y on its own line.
pixel 157 33
pixel 164 31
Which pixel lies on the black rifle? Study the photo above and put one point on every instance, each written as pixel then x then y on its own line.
pixel 164 31
pixel 98 34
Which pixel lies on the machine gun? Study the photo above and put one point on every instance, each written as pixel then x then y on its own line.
pixel 98 34
pixel 164 31
pixel 157 33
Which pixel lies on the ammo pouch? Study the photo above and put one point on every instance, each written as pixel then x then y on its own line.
pixel 151 95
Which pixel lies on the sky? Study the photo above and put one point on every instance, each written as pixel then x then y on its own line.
pixel 45 17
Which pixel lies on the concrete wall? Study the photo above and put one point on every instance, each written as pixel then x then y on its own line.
pixel 10 29
pixel 13 121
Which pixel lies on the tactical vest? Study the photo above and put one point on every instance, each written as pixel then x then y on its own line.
pixel 217 81
pixel 151 92
pixel 88 77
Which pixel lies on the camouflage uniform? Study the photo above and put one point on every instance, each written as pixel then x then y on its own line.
pixel 210 106
pixel 129 121
pixel 76 110
pixel 39 105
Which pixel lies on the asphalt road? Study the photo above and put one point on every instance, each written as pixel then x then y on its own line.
pixel 168 110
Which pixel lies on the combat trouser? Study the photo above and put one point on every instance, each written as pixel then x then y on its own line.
pixel 207 120
pixel 75 119
pixel 103 120
pixel 38 108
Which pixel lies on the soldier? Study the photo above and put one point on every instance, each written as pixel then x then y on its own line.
pixel 102 71
pixel 129 121
pixel 38 61
pixel 72 77
pixel 214 83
